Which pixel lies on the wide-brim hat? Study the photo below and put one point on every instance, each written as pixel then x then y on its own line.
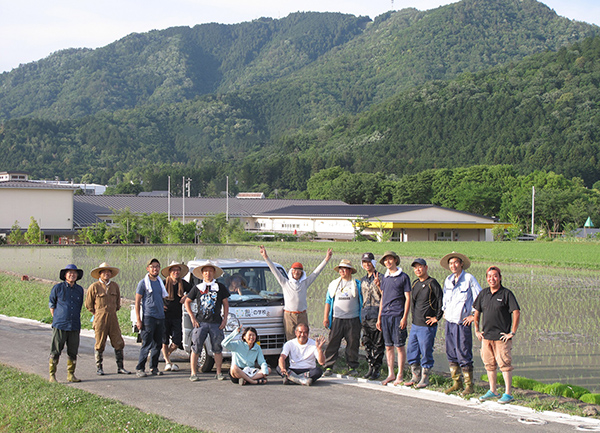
pixel 390 253
pixel 71 268
pixel 198 271
pixel 167 270
pixel 466 263
pixel 345 264
pixel 103 267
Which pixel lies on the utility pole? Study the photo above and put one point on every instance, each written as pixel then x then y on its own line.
pixel 532 210
pixel 183 198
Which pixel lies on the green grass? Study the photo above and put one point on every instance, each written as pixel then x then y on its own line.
pixel 29 299
pixel 32 404
pixel 558 253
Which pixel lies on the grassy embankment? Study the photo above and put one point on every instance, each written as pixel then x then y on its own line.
pixel 32 404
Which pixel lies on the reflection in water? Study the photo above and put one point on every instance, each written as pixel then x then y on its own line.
pixel 558 340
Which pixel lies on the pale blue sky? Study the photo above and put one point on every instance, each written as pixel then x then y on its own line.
pixel 32 29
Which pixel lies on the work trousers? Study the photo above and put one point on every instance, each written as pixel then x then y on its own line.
pixel 59 338
pixel 349 330
pixel 419 349
pixel 459 344
pixel 152 335
pixel 372 340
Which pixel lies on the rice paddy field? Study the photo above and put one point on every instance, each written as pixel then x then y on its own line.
pixel 556 284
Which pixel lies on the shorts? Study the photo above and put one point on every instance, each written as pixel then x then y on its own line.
pixel 392 334
pixel 173 331
pixel 496 353
pixel 199 336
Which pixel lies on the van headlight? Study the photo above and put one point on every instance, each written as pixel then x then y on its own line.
pixel 232 322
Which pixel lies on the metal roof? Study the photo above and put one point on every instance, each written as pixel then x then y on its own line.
pixel 25 184
pixel 87 208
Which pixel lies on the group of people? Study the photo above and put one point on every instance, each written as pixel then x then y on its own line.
pixel 377 306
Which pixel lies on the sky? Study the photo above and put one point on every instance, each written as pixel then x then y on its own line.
pixel 33 29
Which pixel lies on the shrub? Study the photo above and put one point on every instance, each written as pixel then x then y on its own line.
pixel 590 398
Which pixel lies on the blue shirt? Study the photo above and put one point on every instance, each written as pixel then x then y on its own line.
pixel 459 297
pixel 393 288
pixel 152 303
pixel 242 355
pixel 66 301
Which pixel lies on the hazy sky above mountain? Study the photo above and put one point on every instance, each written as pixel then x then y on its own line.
pixel 33 29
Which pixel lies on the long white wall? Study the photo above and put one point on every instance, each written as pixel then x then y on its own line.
pixel 52 209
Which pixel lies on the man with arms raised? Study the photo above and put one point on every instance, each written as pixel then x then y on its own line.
pixel 149 297
pixel 501 316
pixel 301 354
pixel 460 291
pixel 210 296
pixel 294 287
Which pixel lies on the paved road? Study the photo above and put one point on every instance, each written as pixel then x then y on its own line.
pixel 332 405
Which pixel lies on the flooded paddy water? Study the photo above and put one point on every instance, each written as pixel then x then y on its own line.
pixel 558 339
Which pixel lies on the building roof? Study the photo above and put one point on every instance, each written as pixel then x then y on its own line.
pixel 26 184
pixel 87 208
pixel 366 211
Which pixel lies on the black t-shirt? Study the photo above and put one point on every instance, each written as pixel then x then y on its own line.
pixel 496 311
pixel 209 302
pixel 173 309
pixel 426 301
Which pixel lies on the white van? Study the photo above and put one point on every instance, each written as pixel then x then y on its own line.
pixel 259 305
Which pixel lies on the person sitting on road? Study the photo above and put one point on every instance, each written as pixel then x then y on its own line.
pixel 301 355
pixel 245 354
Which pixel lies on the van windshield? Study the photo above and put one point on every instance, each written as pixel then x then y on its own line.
pixel 251 284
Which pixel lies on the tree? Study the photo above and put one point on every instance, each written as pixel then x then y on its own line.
pixel 126 225
pixel 34 235
pixel 154 227
pixel 94 234
pixel 16 235
pixel 182 233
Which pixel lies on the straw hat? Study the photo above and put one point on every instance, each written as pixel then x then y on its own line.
pixel 465 260
pixel 96 271
pixel 345 264
pixel 71 268
pixel 198 271
pixel 167 270
pixel 390 253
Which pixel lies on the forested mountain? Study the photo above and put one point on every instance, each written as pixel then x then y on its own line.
pixel 272 102
pixel 312 65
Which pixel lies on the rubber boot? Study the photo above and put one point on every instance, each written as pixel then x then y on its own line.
pixel 71 364
pixel 99 359
pixel 369 373
pixel 376 372
pixel 416 375
pixel 53 367
pixel 119 357
pixel 457 380
pixel 424 378
pixel 468 375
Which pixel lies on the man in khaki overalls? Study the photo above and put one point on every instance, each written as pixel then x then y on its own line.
pixel 103 300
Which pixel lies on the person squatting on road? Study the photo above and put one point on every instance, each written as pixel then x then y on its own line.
pixel 426 300
pixel 500 314
pixel 294 288
pixel 177 288
pixel 245 354
pixel 65 302
pixel 342 316
pixel 209 295
pixel 372 338
pixel 299 356
pixel 103 300
pixel 393 314
pixel 460 291
pixel 151 324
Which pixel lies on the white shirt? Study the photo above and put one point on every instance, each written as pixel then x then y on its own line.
pixel 301 356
